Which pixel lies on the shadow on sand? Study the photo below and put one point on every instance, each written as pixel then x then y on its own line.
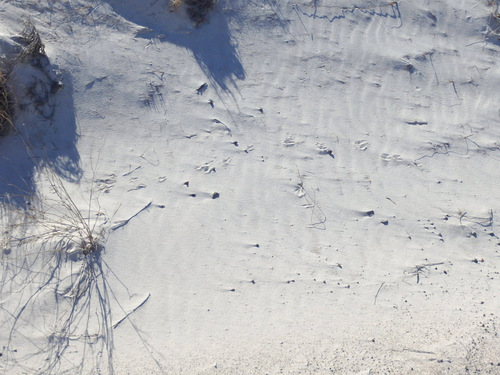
pixel 211 44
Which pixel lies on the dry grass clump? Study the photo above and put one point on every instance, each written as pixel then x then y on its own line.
pixel 31 51
pixel 6 125
pixel 33 45
pixel 197 10
pixel 50 253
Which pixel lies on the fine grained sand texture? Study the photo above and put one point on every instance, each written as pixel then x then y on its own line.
pixel 292 187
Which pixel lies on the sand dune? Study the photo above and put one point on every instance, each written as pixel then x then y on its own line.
pixel 295 187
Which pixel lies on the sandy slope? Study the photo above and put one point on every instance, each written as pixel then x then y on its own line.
pixel 355 155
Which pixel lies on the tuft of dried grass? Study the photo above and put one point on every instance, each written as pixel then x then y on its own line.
pixel 33 45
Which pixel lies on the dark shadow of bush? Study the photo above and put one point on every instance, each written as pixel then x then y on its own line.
pixel 212 44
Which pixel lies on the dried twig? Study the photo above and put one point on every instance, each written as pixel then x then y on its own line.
pixel 131 312
pixel 378 291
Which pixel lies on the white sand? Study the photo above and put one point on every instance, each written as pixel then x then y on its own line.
pixel 323 112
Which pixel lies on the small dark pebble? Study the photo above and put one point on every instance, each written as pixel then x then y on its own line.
pixel 200 90
pixel 385 222
pixel 235 143
pixel 370 213
pixel 232 290
pixel 215 195
pixel 192 195
pixel 186 183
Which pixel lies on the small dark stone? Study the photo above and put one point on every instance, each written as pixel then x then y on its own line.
pixel 192 195
pixel 385 222
pixel 370 213
pixel 186 183
pixel 7 251
pixel 200 90
pixel 215 195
